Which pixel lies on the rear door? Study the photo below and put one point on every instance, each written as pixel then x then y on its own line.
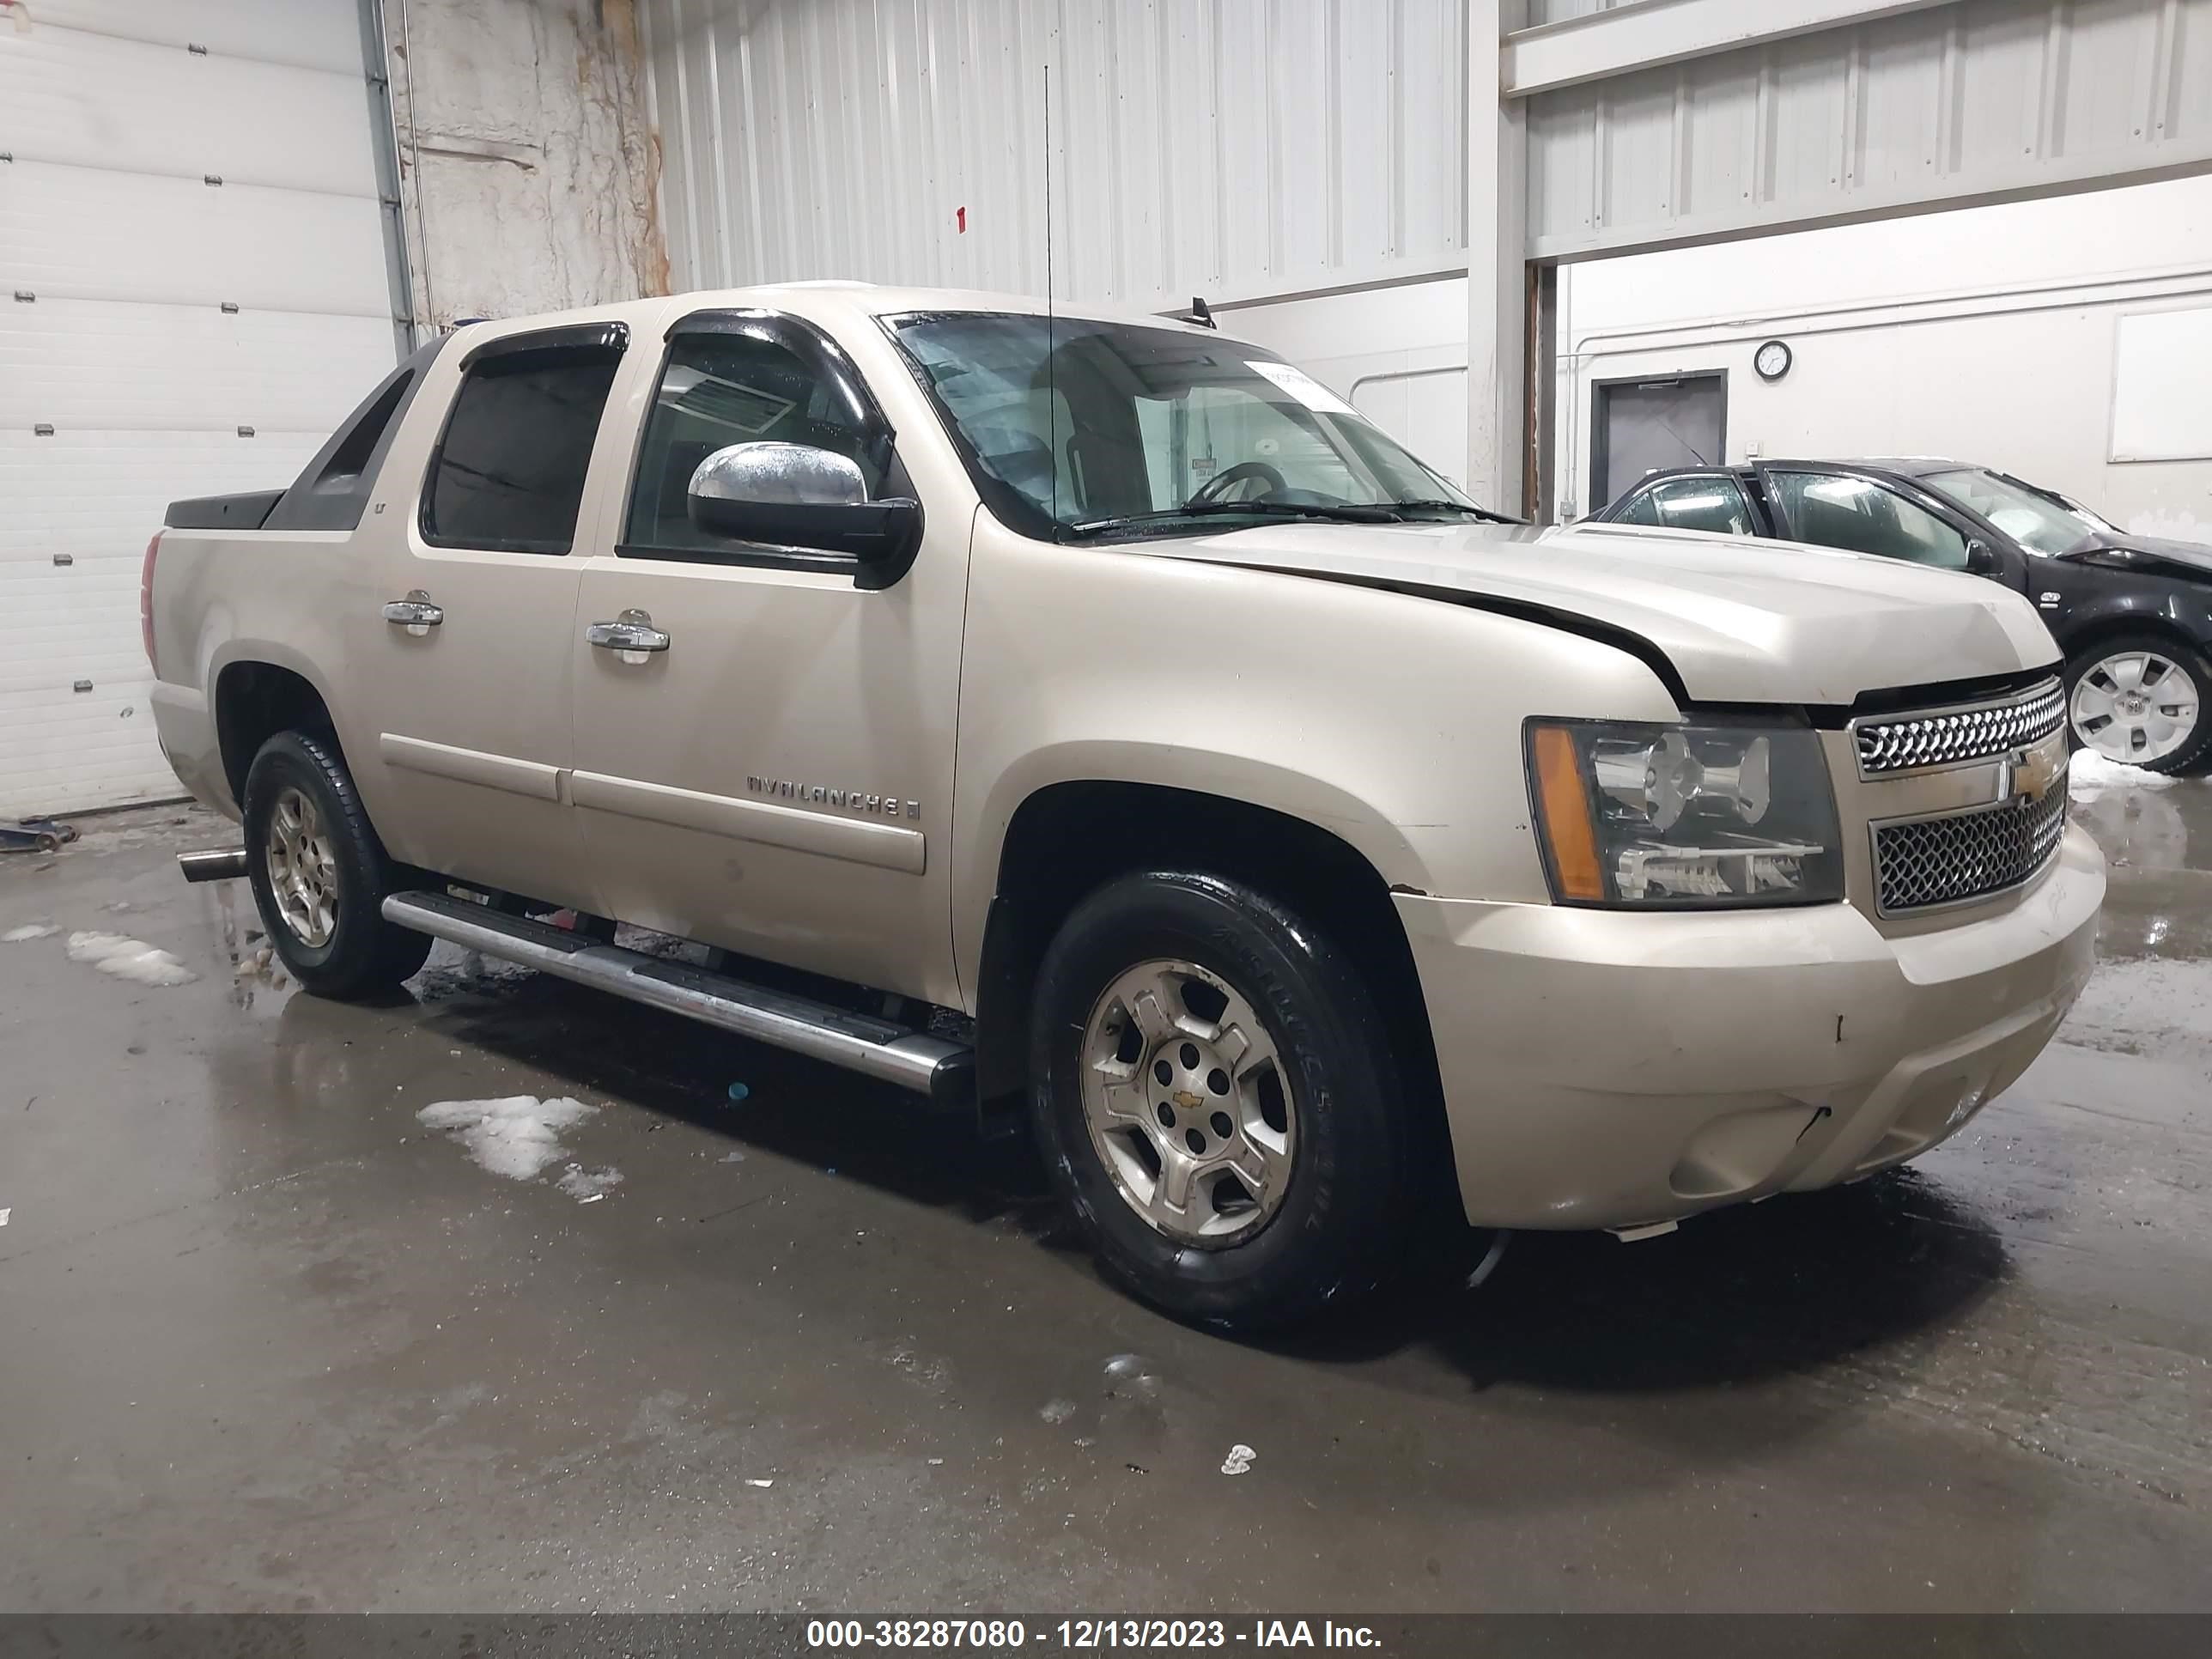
pixel 466 631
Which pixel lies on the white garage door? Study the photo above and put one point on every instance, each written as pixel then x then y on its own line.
pixel 193 292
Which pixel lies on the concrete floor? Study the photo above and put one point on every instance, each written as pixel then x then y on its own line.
pixel 266 1342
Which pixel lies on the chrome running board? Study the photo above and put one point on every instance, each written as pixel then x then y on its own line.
pixel 943 1070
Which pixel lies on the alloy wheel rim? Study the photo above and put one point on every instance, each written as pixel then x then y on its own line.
pixel 303 873
pixel 2135 706
pixel 1187 1103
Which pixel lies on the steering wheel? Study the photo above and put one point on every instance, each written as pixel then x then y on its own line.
pixel 1217 488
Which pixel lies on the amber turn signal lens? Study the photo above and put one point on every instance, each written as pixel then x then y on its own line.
pixel 1563 805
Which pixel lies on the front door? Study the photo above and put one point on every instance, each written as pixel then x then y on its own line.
pixel 1862 515
pixel 466 680
pixel 774 775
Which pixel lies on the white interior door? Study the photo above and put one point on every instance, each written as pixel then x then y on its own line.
pixel 151 319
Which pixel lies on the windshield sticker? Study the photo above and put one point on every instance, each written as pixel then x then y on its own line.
pixel 1306 389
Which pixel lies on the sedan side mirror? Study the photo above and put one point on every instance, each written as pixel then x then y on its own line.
pixel 1980 560
pixel 797 496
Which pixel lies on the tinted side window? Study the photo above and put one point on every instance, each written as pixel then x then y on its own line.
pixel 1709 503
pixel 1832 510
pixel 717 390
pixel 1642 510
pixel 509 472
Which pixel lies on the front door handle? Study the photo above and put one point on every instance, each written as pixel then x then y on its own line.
pixel 632 635
pixel 414 613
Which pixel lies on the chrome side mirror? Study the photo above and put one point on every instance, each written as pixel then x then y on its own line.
pixel 787 475
pixel 798 497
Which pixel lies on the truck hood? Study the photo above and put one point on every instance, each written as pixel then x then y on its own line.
pixel 1738 620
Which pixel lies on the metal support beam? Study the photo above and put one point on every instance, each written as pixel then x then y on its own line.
pixel 1601 44
pixel 376 67
pixel 1497 280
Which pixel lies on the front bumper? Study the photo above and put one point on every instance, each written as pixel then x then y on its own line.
pixel 1606 1069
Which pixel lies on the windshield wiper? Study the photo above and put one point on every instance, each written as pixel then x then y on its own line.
pixel 1339 512
pixel 1439 505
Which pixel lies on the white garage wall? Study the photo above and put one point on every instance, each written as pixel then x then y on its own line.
pixel 1228 148
pixel 118 254
pixel 1987 333
pixel 1398 354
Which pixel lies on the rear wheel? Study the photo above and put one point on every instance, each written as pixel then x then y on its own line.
pixel 1217 1099
pixel 318 873
pixel 2142 700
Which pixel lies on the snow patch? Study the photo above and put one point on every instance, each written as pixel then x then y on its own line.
pixel 128 958
pixel 517 1136
pixel 2089 775
pixel 589 1186
pixel 34 930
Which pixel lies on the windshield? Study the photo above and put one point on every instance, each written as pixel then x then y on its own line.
pixel 2037 521
pixel 1073 428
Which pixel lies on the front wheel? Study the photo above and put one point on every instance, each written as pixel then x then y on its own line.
pixel 1216 1098
pixel 319 874
pixel 2141 699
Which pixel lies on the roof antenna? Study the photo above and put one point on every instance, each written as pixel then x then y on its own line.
pixel 1200 314
pixel 1051 358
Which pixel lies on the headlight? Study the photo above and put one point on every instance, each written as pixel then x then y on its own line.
pixel 1687 816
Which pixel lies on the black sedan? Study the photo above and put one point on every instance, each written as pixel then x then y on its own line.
pixel 2132 614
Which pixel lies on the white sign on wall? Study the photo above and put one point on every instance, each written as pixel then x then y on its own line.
pixel 2162 387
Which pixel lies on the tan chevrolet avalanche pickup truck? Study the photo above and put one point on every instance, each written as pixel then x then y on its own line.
pixel 1097 720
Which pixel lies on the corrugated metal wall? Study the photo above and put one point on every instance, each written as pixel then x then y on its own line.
pixel 1228 148
pixel 1973 100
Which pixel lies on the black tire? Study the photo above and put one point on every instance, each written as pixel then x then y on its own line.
pixel 1338 1231
pixel 364 954
pixel 2194 758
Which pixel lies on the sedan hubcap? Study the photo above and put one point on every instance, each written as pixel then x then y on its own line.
pixel 2135 706
pixel 1188 1103
pixel 303 875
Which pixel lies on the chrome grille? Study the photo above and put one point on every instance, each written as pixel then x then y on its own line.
pixel 1966 855
pixel 1899 743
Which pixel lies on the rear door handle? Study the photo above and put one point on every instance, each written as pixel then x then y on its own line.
pixel 632 633
pixel 414 613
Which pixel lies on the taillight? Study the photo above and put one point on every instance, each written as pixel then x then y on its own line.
pixel 146 602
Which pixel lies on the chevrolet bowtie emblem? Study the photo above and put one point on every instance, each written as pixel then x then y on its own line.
pixel 2032 771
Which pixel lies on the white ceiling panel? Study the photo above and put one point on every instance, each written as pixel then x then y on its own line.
pixel 96 365
pixel 76 233
pixel 309 33
pixel 95 494
pixel 95 100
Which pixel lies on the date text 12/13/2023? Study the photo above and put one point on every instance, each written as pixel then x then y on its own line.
pixel 988 1635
